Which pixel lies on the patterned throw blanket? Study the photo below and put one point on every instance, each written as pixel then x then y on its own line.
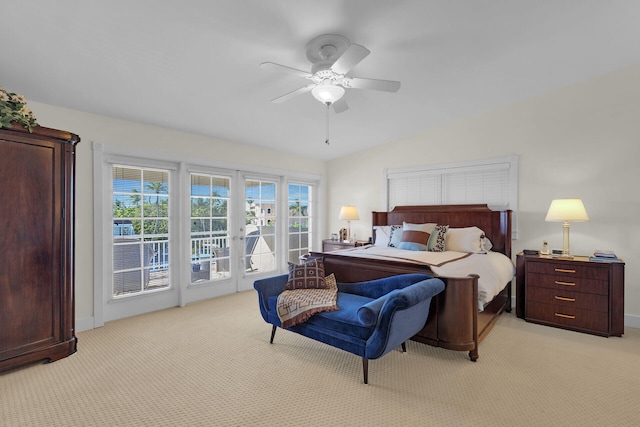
pixel 296 306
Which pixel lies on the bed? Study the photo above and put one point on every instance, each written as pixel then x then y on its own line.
pixel 458 318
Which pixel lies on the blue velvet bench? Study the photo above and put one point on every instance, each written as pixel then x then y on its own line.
pixel 374 317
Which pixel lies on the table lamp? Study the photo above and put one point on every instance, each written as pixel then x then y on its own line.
pixel 349 213
pixel 566 211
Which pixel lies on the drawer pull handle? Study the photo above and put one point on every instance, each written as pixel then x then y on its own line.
pixel 565 299
pixel 565 283
pixel 566 316
pixel 564 270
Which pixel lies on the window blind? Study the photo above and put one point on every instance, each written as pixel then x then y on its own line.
pixel 492 181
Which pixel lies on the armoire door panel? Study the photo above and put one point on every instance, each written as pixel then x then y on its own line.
pixel 36 281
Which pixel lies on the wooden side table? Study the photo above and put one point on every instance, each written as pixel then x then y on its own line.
pixel 329 245
pixel 571 293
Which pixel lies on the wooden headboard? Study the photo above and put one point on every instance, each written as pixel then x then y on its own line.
pixel 495 224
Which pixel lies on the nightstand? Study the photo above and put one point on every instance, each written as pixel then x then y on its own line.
pixel 329 245
pixel 571 293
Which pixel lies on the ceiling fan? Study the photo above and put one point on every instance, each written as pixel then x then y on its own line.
pixel 332 56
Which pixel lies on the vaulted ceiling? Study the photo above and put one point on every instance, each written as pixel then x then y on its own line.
pixel 194 65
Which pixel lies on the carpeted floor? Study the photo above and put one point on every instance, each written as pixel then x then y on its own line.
pixel 211 364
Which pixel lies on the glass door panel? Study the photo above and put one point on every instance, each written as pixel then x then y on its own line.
pixel 300 221
pixel 210 237
pixel 260 226
pixel 140 230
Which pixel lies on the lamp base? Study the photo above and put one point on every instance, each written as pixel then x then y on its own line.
pixel 566 253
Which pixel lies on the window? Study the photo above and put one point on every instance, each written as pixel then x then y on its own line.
pixel 210 197
pixel 493 182
pixel 300 220
pixel 140 230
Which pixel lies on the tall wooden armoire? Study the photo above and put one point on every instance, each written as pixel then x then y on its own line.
pixel 37 186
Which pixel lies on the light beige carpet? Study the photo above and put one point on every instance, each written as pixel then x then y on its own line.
pixel 211 364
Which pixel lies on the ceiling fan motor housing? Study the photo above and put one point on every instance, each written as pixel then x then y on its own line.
pixel 327 47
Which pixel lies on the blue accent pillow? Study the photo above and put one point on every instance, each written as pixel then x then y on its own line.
pixel 414 240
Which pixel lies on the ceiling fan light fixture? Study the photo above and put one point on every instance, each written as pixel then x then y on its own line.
pixel 327 93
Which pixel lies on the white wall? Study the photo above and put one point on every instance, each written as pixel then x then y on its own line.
pixel 581 141
pixel 106 130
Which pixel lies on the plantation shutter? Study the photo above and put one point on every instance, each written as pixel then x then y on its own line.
pixel 493 182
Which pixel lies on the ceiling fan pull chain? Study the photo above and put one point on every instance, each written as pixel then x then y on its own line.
pixel 326 141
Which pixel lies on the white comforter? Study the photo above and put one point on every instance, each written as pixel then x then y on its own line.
pixel 495 269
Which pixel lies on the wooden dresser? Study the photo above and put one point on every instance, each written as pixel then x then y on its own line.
pixel 36 224
pixel 571 293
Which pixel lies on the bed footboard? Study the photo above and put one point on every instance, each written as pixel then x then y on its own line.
pixel 453 323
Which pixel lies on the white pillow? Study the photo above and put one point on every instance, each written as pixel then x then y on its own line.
pixel 427 228
pixel 383 235
pixel 486 244
pixel 467 239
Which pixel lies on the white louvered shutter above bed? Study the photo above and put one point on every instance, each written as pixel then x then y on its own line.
pixel 492 181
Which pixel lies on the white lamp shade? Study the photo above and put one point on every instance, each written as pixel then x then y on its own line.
pixel 567 210
pixel 348 213
pixel 327 93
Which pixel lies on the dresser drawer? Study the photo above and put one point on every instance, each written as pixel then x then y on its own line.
pixel 569 283
pixel 569 299
pixel 588 271
pixel 571 318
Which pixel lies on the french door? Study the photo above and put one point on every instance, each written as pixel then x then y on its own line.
pixel 168 233
pixel 233 228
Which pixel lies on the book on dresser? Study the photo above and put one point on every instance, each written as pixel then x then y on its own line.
pixel 600 255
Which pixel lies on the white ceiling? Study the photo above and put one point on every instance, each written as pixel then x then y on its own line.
pixel 193 65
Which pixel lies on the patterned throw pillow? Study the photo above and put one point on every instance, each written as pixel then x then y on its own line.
pixel 331 282
pixel 309 275
pixel 396 236
pixel 437 239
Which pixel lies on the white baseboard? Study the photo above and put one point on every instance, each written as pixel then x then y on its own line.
pixel 84 324
pixel 631 321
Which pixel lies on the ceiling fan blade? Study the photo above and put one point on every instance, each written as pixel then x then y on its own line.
pixel 284 68
pixel 293 94
pixel 340 105
pixel 349 59
pixel 373 84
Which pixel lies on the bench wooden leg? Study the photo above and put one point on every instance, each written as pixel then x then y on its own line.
pixel 273 334
pixel 365 369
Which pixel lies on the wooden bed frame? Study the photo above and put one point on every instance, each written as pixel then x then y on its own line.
pixel 454 321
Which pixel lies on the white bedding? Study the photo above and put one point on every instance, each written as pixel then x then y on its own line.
pixel 495 269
